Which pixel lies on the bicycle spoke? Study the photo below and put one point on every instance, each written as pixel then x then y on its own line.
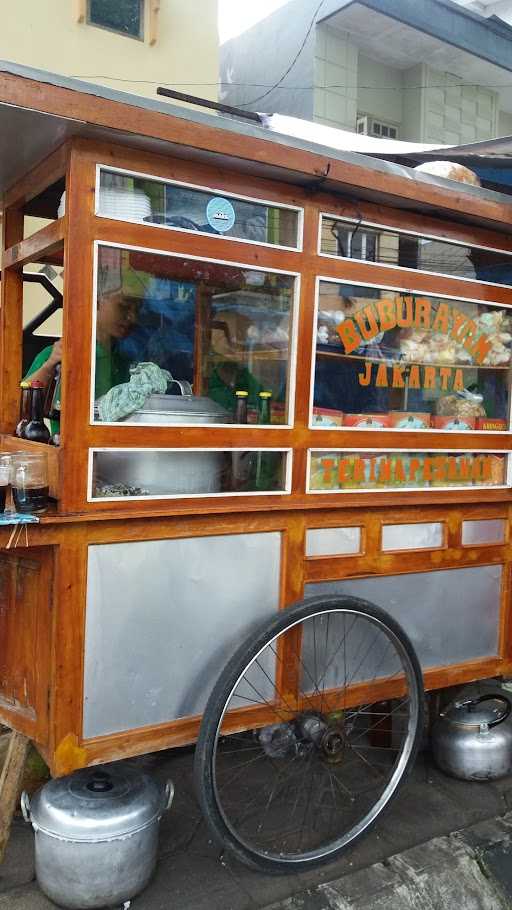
pixel 311 780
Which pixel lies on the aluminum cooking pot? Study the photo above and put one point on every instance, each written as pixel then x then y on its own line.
pixel 96 834
pixel 171 473
pixel 472 739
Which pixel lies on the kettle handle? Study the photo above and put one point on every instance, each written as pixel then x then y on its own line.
pixel 183 385
pixel 25 806
pixel 473 702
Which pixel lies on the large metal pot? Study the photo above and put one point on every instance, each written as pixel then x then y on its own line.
pixel 96 835
pixel 179 409
pixel 170 472
pixel 472 739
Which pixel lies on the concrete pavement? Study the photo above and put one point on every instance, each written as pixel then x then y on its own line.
pixel 410 855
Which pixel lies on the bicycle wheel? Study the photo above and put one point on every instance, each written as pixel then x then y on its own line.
pixel 308 733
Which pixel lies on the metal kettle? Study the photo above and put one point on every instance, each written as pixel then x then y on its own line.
pixel 472 738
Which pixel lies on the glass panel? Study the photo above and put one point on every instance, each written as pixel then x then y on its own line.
pixel 123 16
pixel 146 199
pixel 189 335
pixel 118 473
pixel 439 611
pixel 333 541
pixel 177 610
pixel 483 531
pixel 408 361
pixel 331 471
pixel 370 243
pixel 423 535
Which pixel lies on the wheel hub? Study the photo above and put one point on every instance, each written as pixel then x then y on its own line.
pixel 333 745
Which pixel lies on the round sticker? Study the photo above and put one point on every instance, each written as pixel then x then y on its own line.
pixel 220 214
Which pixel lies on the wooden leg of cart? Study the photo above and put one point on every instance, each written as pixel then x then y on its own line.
pixel 10 782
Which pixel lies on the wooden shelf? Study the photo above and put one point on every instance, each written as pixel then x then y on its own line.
pixel 410 363
pixel 13 444
pixel 246 356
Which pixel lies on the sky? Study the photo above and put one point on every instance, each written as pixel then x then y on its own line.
pixel 237 15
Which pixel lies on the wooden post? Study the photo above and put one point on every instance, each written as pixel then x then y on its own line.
pixel 10 782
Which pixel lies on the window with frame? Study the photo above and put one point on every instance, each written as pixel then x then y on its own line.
pixel 126 17
pixel 395 248
pixel 410 361
pixel 182 340
pixel 143 199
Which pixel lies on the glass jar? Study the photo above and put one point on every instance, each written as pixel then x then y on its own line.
pixel 29 479
pixel 5 478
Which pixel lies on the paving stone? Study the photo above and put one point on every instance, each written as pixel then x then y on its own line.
pixel 496 860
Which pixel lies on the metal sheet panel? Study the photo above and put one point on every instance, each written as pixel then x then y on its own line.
pixel 333 541
pixel 450 616
pixel 417 536
pixel 483 531
pixel 164 617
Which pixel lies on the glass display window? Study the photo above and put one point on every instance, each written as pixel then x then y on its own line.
pixel 336 470
pixel 374 243
pixel 387 358
pixel 140 198
pixel 180 340
pixel 175 473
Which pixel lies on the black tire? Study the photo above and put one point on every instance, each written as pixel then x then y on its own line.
pixel 206 750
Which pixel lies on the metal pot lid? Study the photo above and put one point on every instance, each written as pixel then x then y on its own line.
pixel 482 709
pixel 185 404
pixel 97 804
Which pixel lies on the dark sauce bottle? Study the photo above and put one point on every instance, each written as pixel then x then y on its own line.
pixel 25 409
pixel 36 429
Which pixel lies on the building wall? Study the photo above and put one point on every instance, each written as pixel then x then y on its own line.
pixel 425 104
pixel 455 113
pixel 504 124
pixel 336 64
pixel 413 103
pixel 253 62
pixel 46 34
pixel 380 91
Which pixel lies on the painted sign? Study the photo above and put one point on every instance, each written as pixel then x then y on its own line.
pixel 220 214
pixel 360 470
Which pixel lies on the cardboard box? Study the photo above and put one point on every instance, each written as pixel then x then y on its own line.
pixel 410 420
pixel 327 417
pixel 278 412
pixel 367 421
pixel 491 423
pixel 454 424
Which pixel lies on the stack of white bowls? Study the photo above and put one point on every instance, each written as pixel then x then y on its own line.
pixel 128 205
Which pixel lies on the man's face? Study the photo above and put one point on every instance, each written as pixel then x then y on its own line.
pixel 117 316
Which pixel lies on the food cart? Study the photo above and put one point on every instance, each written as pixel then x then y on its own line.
pixel 365 311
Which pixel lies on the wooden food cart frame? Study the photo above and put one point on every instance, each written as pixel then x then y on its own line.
pixel 44 586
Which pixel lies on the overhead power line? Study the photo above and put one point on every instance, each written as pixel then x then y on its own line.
pixel 292 64
pixel 298 88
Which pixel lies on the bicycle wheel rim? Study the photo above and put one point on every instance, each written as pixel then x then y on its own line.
pixel 252 847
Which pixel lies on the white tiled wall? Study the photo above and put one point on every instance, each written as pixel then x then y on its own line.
pixel 336 66
pixel 425 104
pixel 457 113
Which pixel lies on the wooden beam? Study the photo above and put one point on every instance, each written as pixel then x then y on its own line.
pixel 36 248
pixel 43 175
pixel 247 152
pixel 11 325
pixel 80 10
pixel 10 783
pixel 154 9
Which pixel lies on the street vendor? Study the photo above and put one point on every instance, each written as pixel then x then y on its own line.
pixel 116 319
